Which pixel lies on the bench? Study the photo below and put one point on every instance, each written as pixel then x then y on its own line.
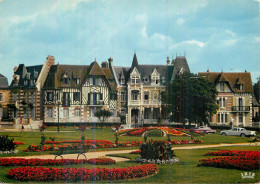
pixel 79 150
pixel 255 140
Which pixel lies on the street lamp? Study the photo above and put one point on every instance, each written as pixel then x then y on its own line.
pixel 58 102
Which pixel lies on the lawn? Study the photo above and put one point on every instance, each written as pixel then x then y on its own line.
pixel 105 134
pixel 184 172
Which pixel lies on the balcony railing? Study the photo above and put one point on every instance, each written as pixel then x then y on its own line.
pixel 95 102
pixel 152 102
pixel 241 108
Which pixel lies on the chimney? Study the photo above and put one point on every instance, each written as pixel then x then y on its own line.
pixel 208 70
pixel 15 69
pixel 104 64
pixel 110 61
pixel 168 60
pixel 50 60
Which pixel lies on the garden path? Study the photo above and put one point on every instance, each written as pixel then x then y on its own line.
pixel 119 159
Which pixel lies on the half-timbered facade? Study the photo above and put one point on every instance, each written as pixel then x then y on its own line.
pixel 25 91
pixel 73 93
pixel 234 97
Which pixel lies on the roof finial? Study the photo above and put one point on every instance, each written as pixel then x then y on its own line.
pixel 95 59
pixel 184 53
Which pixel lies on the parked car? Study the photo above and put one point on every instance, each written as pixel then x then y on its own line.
pixel 204 129
pixel 238 132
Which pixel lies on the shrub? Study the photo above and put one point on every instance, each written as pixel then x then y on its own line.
pixel 155 133
pixel 7 144
pixel 156 150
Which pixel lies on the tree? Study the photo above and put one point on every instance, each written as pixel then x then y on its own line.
pixel 256 88
pixel 190 99
pixel 103 115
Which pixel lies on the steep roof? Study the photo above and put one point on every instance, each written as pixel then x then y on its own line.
pixel 95 69
pixel 55 76
pixel 179 64
pixel 26 73
pixel 3 82
pixel 232 79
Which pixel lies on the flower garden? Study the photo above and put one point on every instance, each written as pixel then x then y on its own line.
pixel 166 167
pixel 242 160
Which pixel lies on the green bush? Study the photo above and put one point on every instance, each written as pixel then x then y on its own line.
pixel 7 144
pixel 155 133
pixel 156 150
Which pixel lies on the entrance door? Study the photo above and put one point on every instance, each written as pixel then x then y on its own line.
pixel 134 116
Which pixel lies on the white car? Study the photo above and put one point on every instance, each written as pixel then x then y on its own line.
pixel 238 132
pixel 122 127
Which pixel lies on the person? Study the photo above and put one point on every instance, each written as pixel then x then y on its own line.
pixel 22 128
pixel 231 123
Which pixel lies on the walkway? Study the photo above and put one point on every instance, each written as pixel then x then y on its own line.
pixel 119 159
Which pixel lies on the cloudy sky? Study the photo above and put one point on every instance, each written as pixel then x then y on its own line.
pixel 219 35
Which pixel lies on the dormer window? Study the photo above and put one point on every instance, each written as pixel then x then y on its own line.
pixel 66 80
pixel 135 79
pixel 163 80
pixel 146 79
pixel 240 86
pixel 32 82
pixel 222 87
pixel 25 82
pixel 77 81
pixel 122 81
pixel 155 76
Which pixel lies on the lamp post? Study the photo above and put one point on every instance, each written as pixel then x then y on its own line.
pixel 58 102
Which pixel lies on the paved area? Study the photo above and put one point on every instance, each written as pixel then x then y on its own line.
pixel 118 159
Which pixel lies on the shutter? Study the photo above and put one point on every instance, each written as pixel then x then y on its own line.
pixel 61 112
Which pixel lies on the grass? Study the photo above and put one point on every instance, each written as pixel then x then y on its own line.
pixel 184 172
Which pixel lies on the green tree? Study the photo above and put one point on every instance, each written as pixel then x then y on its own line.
pixel 103 115
pixel 191 99
pixel 256 88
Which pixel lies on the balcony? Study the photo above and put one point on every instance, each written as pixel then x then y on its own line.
pixel 95 103
pixel 134 102
pixel 152 102
pixel 241 108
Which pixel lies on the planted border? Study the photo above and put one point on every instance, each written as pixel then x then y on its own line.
pixel 42 174
pixel 51 162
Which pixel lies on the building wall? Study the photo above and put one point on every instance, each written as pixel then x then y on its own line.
pixel 5 100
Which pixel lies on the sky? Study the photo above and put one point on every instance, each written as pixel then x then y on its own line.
pixel 219 35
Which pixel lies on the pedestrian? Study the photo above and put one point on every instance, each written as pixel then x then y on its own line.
pixel 22 128
pixel 231 123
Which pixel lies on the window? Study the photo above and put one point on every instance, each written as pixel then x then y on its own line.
pixel 32 97
pixel 155 79
pixel 50 112
pixel 77 112
pixel 146 79
pixel 66 99
pixel 49 96
pixel 122 81
pixel 15 97
pixel 31 82
pixel 147 113
pixel 146 95
pixel 25 115
pixel 156 113
pixel 95 98
pixel 25 82
pixel 76 96
pixel 240 86
pixel 163 80
pixel 66 80
pixel 123 96
pixel 66 113
pixel 223 102
pixel 135 95
pixel 240 117
pixel 222 87
pixel 77 80
pixel 155 96
pixel 122 112
pixel 135 79
pixel 113 96
pixel 1 97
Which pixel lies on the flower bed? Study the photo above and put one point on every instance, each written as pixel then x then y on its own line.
pixel 101 161
pixel 135 152
pixel 79 141
pixel 42 174
pixel 242 160
pixel 140 131
pixel 34 148
pixel 17 143
pixel 45 162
